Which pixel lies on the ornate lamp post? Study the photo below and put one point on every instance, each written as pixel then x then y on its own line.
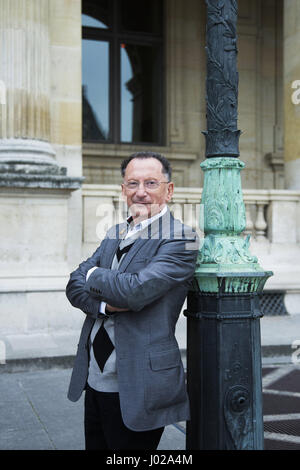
pixel 223 326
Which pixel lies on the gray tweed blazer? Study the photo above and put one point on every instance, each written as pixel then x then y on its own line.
pixel 151 282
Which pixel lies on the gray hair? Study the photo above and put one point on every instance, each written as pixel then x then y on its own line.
pixel 166 167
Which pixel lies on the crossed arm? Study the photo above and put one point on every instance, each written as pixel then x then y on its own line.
pixel 104 307
pixel 172 265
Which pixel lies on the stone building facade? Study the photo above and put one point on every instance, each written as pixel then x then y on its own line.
pixel 57 183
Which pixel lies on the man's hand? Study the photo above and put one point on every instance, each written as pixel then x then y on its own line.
pixel 112 309
pixel 109 308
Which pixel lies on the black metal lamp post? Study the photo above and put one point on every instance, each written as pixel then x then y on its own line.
pixel 223 313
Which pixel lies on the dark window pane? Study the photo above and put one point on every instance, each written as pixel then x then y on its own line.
pixel 140 93
pixel 95 90
pixel 145 17
pixel 96 13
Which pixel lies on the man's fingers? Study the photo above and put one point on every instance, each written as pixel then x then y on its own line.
pixel 111 308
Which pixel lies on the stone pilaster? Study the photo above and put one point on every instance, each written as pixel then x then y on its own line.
pixel 291 80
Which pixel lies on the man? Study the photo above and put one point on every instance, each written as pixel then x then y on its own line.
pixel 132 290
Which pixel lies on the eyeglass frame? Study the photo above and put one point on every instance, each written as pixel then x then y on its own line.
pixel 138 183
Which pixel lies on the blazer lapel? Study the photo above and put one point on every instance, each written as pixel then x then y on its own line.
pixel 112 243
pixel 160 228
pixel 110 249
pixel 137 245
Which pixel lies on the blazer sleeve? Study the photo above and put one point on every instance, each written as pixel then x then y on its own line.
pixel 75 292
pixel 172 265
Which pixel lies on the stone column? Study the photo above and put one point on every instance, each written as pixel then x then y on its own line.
pixel 291 80
pixel 27 157
pixel 25 71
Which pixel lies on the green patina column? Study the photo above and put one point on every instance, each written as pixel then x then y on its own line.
pixel 223 312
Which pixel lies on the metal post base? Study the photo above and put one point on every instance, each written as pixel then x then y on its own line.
pixel 224 371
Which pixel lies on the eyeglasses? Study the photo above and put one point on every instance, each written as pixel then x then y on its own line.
pixel 150 185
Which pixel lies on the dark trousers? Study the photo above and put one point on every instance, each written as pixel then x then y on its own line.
pixel 105 429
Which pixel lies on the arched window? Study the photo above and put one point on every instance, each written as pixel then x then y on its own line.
pixel 122 71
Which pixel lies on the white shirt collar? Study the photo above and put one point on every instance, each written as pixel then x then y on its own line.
pixel 144 223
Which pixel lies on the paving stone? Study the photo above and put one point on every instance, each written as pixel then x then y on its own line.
pixel 288 383
pixel 35 413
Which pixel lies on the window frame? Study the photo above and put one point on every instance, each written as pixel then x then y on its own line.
pixel 115 37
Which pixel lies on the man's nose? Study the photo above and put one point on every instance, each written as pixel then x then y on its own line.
pixel 141 190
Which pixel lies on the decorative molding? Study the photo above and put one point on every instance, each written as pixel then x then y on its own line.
pixel 123 151
pixel 238 417
pixel 35 151
pixel 46 181
pixel 224 210
pixel 229 251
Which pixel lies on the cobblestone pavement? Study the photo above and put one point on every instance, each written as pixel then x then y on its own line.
pixel 281 407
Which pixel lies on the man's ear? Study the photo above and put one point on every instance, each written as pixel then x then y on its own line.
pixel 170 191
